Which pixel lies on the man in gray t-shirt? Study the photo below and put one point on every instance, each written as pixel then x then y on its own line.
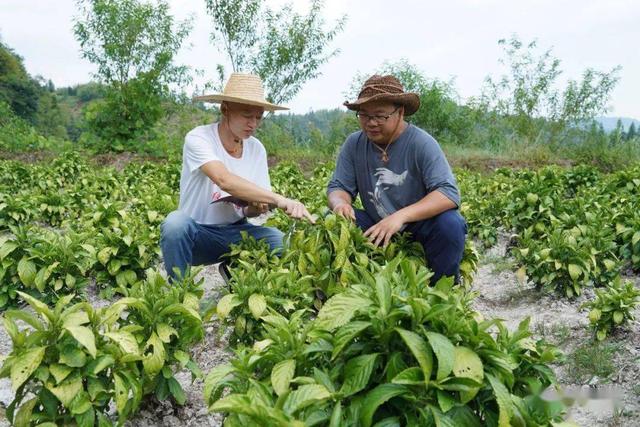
pixel 402 176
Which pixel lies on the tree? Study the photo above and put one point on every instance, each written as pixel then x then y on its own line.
pixel 284 48
pixel 17 88
pixel 528 96
pixel 133 44
pixel 631 132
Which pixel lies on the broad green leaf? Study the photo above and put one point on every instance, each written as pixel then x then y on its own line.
pixel 104 255
pixel 281 376
pixel 410 376
pixel 154 362
pixel 232 403
pixel 214 376
pixel 121 393
pixel 176 391
pixel 346 334
pixel 24 365
pixel 59 372
pixel 38 306
pixel 23 416
pixel 257 305
pixel 445 353
pixel 503 397
pixel 420 351
pixel 609 264
pixel 75 318
pixel 259 346
pixel 74 357
pixel 617 317
pixel 226 304
pixel 445 401
pixel 304 396
pixel 84 336
pixel 383 293
pixel 339 310
pixel 26 317
pixel 636 238
pixel 574 271
pixel 357 373
pixel 467 364
pixel 165 332
pixel 336 416
pixel 6 248
pixel 601 334
pixel 67 390
pixel 27 271
pixel 101 363
pixel 125 340
pixel 377 397
pixel 81 403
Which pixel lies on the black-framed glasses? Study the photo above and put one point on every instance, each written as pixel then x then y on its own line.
pixel 378 118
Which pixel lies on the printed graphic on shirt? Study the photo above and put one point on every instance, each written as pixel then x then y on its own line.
pixel 385 179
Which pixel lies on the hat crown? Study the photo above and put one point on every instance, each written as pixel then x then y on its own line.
pixel 381 85
pixel 245 86
pixel 242 89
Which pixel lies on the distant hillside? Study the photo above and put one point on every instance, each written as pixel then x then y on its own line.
pixel 610 123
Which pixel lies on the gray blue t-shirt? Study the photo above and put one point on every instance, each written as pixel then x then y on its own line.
pixel 416 167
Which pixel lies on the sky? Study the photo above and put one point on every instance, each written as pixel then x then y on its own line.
pixel 449 40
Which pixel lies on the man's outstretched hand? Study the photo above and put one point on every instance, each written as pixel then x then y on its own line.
pixel 295 209
pixel 385 229
pixel 346 210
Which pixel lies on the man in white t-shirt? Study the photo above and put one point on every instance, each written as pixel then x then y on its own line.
pixel 224 180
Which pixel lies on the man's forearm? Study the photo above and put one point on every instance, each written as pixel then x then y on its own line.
pixel 429 206
pixel 337 198
pixel 238 186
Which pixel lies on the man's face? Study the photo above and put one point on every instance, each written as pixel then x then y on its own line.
pixel 244 119
pixel 379 120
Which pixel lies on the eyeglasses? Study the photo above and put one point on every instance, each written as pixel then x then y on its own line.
pixel 377 118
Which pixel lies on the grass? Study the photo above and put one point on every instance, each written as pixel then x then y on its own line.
pixel 555 333
pixel 592 359
pixel 500 263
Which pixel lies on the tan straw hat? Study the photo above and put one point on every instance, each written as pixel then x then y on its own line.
pixel 243 89
pixel 385 88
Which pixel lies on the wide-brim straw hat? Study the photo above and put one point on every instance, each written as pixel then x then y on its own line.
pixel 385 88
pixel 242 89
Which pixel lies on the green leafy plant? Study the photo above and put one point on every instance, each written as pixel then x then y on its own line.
pixel 163 318
pixel 386 350
pixel 65 367
pixel 612 307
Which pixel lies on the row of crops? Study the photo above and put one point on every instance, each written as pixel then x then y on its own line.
pixel 332 332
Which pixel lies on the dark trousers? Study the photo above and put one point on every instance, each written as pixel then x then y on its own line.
pixel 442 238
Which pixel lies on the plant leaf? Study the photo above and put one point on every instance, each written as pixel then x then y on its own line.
pixel 420 351
pixel 377 397
pixel 25 365
pixel 84 336
pixel 281 376
pixel 445 353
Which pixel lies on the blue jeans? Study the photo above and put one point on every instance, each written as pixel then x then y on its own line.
pixel 442 238
pixel 185 243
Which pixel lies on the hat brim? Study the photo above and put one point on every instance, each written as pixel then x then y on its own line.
pixel 220 98
pixel 410 101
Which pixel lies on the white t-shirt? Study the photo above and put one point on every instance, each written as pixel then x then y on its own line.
pixel 198 191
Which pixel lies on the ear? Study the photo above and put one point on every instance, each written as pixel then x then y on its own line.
pixel 223 108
